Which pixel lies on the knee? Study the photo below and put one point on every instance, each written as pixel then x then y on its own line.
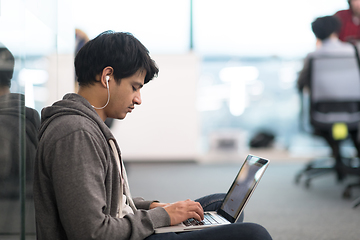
pixel 211 202
pixel 253 231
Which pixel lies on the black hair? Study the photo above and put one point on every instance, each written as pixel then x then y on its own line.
pixel 7 62
pixel 323 27
pixel 119 50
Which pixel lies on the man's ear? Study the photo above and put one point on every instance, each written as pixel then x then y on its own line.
pixel 107 72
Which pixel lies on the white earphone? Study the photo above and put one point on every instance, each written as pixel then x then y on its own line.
pixel 107 78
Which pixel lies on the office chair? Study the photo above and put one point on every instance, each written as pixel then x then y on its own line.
pixel 356 202
pixel 334 111
pixel 353 171
pixel 347 194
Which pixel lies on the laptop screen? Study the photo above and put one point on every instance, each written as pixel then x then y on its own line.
pixel 240 191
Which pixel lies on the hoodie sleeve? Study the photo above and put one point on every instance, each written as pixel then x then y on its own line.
pixel 140 203
pixel 79 177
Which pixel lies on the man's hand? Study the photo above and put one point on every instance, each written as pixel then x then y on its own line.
pixel 180 211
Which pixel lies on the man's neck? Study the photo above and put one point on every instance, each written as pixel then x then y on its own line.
pixel 91 94
pixel 4 90
pixel 334 36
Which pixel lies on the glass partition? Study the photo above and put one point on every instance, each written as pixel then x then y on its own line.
pixel 28 37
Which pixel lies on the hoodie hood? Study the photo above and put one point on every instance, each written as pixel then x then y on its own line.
pixel 72 104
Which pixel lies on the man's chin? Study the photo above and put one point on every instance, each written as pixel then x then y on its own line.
pixel 122 117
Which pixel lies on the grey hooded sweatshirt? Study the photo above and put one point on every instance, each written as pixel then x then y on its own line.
pixel 77 181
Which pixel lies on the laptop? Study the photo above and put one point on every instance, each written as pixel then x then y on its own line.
pixel 234 202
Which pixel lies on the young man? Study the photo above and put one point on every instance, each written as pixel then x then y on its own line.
pixel 80 187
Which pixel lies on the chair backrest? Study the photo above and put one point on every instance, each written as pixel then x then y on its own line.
pixel 335 79
pixel 335 90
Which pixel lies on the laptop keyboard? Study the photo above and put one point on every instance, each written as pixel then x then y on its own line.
pixel 208 220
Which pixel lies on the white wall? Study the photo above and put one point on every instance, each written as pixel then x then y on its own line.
pixel 61 77
pixel 166 125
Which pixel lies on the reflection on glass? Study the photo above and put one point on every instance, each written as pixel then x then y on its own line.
pixel 18 142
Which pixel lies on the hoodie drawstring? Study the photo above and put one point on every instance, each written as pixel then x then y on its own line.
pixel 124 186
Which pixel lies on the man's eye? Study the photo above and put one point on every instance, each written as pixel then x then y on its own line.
pixel 134 89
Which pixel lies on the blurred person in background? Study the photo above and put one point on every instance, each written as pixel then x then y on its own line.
pixel 80 39
pixel 326 30
pixel 350 22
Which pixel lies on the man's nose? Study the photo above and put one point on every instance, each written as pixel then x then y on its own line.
pixel 137 99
